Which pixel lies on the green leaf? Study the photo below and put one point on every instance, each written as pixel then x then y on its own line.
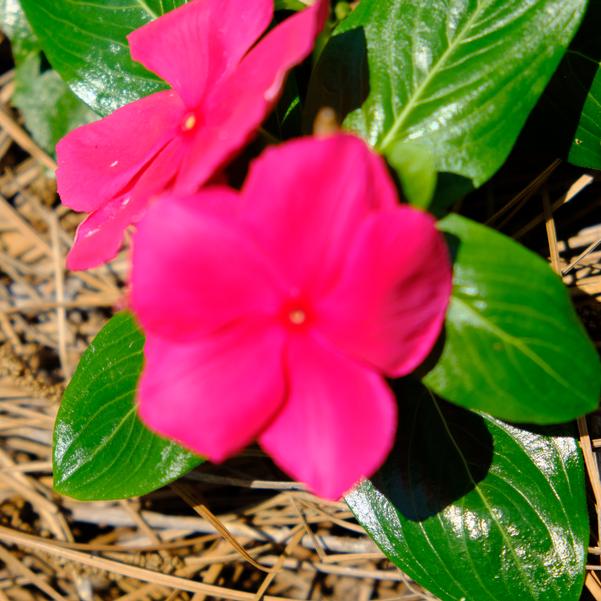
pixel 294 5
pixel 50 109
pixel 475 509
pixel 458 76
pixel 415 168
pixel 581 75
pixel 513 344
pixel 86 43
pixel 101 449
pixel 586 147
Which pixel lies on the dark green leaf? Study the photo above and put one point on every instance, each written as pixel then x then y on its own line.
pixel 586 148
pixel 86 43
pixel 581 75
pixel 513 345
pixel 458 77
pixel 101 449
pixel 477 510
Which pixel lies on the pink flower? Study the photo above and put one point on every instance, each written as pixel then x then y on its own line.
pixel 276 313
pixel 223 85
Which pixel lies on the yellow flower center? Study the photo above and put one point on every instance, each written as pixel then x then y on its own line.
pixel 297 317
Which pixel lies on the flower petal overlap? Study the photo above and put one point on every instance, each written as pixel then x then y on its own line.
pixel 223 79
pixel 276 313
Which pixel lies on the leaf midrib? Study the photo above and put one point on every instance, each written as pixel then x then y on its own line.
pixel 100 447
pixel 436 68
pixel 484 499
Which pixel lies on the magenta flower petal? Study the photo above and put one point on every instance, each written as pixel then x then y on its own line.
pixel 198 44
pixel 316 248
pixel 389 306
pixel 100 235
pixel 210 273
pixel 96 162
pixel 338 423
pixel 329 186
pixel 213 396
pixel 222 90
pixel 231 112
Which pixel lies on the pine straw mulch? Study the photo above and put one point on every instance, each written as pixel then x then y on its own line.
pixel 264 537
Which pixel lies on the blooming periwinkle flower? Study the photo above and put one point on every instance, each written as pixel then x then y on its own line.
pixel 276 313
pixel 223 83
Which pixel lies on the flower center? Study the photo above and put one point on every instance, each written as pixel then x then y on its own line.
pixel 297 317
pixel 296 314
pixel 190 122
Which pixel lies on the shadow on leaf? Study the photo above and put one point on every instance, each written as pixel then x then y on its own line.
pixel 441 453
pixel 341 77
pixel 553 123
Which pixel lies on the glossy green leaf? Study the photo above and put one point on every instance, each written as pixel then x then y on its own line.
pixel 475 509
pixel 47 104
pixel 458 76
pixel 101 449
pixel 86 43
pixel 416 170
pixel 513 345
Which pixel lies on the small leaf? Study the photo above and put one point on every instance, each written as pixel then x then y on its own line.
pixel 513 345
pixel 86 43
pixel 294 5
pixel 416 170
pixel 458 77
pixel 475 509
pixel 101 449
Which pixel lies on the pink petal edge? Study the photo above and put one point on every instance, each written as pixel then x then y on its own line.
pixel 389 306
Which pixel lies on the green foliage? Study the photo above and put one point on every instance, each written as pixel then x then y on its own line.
pixel 101 449
pixel 86 43
pixel 49 107
pixel 473 508
pixel 415 168
pixel 459 77
pixel 513 345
